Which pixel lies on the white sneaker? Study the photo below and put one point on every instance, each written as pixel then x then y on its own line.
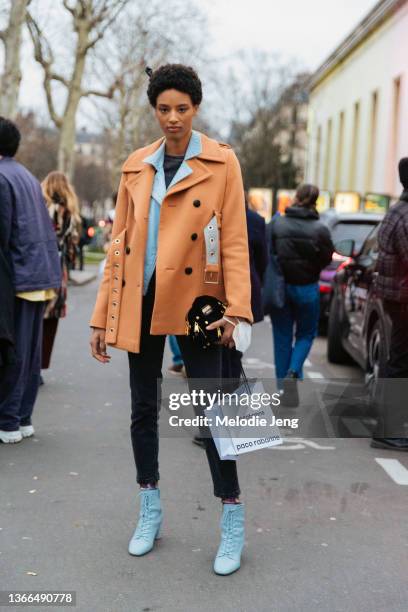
pixel 10 437
pixel 27 431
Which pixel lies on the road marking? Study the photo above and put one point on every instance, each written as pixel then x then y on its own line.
pixel 308 363
pixel 395 470
pixel 314 375
pixel 300 443
pixel 251 362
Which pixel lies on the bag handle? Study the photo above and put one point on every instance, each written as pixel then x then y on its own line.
pixel 244 378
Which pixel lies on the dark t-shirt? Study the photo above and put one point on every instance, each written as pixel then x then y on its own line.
pixel 170 165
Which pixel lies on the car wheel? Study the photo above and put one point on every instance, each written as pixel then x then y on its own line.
pixel 376 358
pixel 335 349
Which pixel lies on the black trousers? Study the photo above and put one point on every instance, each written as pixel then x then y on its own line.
pixel 19 389
pixel 397 366
pixel 393 389
pixel 145 384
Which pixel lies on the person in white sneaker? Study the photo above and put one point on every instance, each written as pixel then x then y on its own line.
pixel 30 247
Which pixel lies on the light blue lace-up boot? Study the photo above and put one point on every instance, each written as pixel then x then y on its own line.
pixel 228 557
pixel 149 524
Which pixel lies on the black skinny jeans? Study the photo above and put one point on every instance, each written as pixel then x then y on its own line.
pixel 393 389
pixel 145 374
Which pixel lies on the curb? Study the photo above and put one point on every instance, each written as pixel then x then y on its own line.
pixel 79 278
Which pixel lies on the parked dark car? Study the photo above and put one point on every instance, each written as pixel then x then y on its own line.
pixel 358 325
pixel 352 226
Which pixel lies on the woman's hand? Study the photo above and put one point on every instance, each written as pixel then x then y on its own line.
pixel 228 330
pixel 98 345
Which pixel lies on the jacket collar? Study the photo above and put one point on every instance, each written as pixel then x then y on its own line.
pixel 200 147
pixel 404 196
pixel 193 150
pixel 301 212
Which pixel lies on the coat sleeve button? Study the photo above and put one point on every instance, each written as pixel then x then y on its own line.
pixel 188 270
pixel 194 236
pixel 196 203
pixel 127 250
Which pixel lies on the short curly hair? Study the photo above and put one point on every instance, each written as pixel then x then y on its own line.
pixel 175 76
pixel 9 137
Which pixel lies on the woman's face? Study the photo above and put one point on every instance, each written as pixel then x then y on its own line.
pixel 175 113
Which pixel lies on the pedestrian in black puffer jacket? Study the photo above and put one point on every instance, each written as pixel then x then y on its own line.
pixel 302 242
pixel 303 248
pixel 392 286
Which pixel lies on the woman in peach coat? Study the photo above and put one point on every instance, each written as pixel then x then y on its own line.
pixel 173 193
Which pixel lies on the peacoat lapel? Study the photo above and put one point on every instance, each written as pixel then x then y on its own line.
pixel 140 173
pixel 139 183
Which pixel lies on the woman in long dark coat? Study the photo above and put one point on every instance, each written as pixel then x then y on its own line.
pixel 62 203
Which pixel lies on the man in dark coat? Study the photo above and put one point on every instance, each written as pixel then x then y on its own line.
pixel 258 259
pixel 30 247
pixel 7 341
pixel 392 287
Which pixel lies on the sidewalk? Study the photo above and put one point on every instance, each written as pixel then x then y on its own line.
pixel 83 277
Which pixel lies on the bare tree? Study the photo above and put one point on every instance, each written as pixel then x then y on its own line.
pixel 90 22
pixel 38 148
pixel 145 40
pixel 261 124
pixel 11 37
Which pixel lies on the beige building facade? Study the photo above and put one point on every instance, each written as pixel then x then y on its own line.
pixel 358 107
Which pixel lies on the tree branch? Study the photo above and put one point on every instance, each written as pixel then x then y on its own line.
pixel 54 76
pixel 100 94
pixel 69 8
pixel 115 9
pixel 39 41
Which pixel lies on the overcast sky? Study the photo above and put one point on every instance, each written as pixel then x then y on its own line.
pixel 306 29
pixel 303 30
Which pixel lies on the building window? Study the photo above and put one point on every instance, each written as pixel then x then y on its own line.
pixel 372 142
pixel 395 124
pixel 318 155
pixel 327 159
pixel 340 150
pixel 354 146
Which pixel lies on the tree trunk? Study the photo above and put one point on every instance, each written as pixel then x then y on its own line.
pixel 66 145
pixel 11 77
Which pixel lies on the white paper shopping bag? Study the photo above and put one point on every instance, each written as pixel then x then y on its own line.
pixel 237 427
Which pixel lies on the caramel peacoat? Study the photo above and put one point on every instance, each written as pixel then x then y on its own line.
pixel 213 187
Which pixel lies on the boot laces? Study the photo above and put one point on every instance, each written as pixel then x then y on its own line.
pixel 227 539
pixel 144 520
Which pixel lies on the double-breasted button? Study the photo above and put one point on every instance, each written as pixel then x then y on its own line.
pixel 127 250
pixel 196 203
pixel 188 270
pixel 123 283
pixel 194 236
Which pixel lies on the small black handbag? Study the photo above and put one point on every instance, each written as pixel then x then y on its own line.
pixel 205 310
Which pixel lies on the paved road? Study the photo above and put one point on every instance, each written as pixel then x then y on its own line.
pixel 326 525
